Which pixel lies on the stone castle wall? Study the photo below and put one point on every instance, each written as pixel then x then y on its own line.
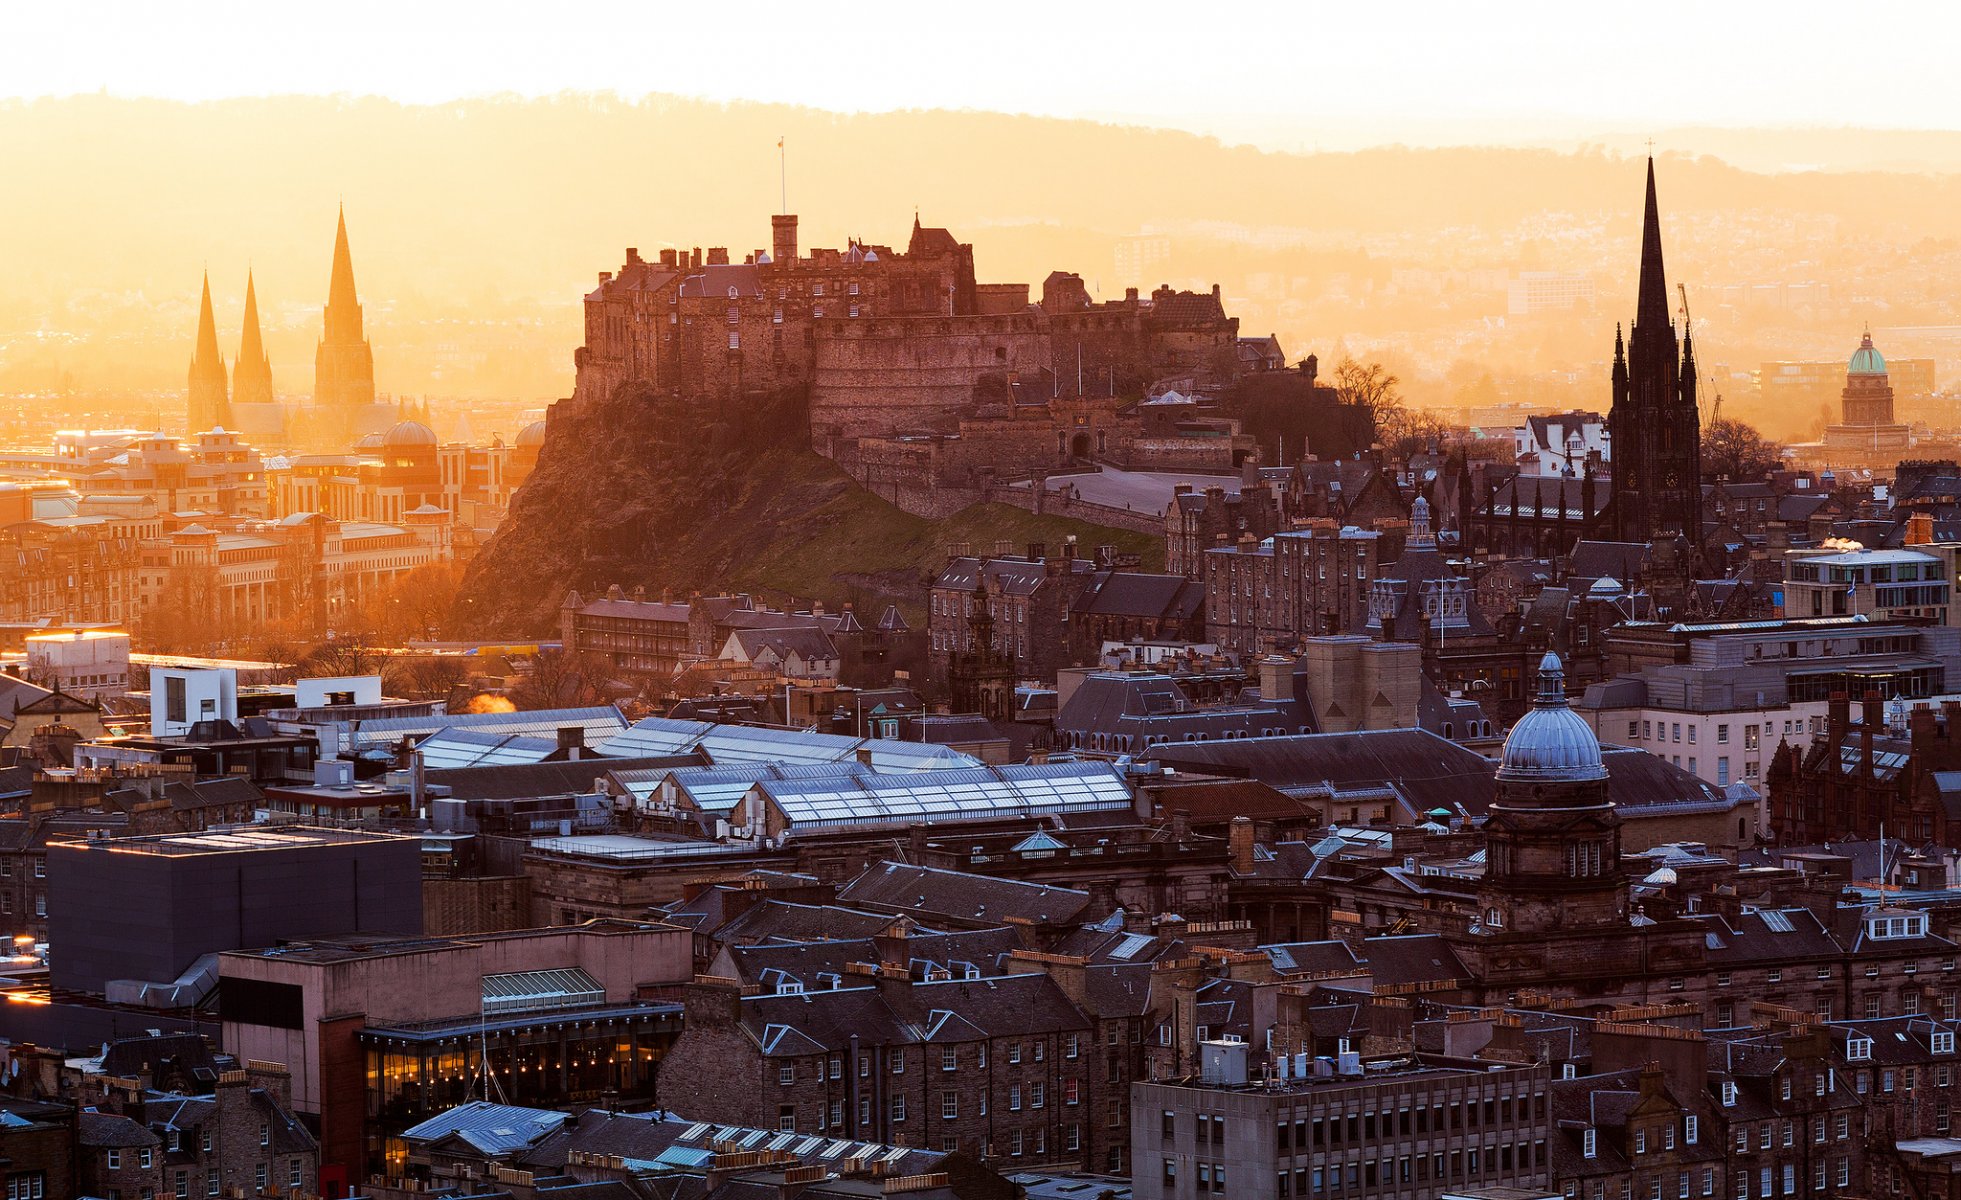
pixel 891 375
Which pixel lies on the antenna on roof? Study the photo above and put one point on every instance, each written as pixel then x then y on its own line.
pixel 783 174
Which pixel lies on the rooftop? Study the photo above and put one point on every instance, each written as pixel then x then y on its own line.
pixel 239 840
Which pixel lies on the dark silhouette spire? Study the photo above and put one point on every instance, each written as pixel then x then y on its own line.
pixel 1651 309
pixel 209 406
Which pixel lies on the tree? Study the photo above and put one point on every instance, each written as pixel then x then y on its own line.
pixel 1401 430
pixel 1735 451
pixel 1370 387
pixel 559 679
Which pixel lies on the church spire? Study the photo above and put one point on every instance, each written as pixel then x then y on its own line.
pixel 207 331
pixel 343 365
pixel 208 405
pixel 343 309
pixel 1651 308
pixel 252 374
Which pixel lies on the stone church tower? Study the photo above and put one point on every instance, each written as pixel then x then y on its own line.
pixel 1655 429
pixel 252 373
pixel 1552 839
pixel 209 405
pixel 343 367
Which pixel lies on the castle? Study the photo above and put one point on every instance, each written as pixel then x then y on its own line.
pixel 894 343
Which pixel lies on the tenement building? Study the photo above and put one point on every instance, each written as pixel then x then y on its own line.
pixel 1400 1126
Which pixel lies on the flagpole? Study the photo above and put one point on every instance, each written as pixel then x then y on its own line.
pixel 783 174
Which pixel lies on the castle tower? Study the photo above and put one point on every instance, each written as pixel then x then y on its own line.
pixel 343 367
pixel 252 373
pixel 1552 840
pixel 1656 431
pixel 209 405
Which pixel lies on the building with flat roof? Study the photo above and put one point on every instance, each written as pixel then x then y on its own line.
pixel 381 1033
pixel 1408 1126
pixel 135 914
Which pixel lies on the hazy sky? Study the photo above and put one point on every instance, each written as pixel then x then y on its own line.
pixel 1284 74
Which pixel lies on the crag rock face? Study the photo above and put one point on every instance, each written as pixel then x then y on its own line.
pixel 633 489
pixel 675 496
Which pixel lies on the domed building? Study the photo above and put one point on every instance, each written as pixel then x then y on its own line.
pixel 1552 840
pixel 1866 434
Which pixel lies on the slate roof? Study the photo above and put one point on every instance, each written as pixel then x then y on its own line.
pixel 782 920
pixel 931 891
pixel 957 1010
pixel 1134 594
pixel 99 1130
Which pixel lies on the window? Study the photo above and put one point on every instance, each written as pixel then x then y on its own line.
pixel 1590 1144
pixel 181 1185
pixel 1858 1048
pixel 1944 1042
pixel 949 1105
pixel 265 1135
pixel 949 1058
pixel 1170 1171
pixel 786 1074
pixel 899 1062
pixel 1074 1046
pixel 1037 1093
pixel 113 1160
pixel 899 1108
pixel 735 340
pixel 143 1158
pixel 1014 1097
pixel 259 1177
pixel 786 1118
pixel 211 1183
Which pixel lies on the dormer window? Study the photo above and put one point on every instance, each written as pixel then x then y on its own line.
pixel 1910 925
pixel 1858 1049
pixel 1729 1095
pixel 1589 1143
pixel 1943 1042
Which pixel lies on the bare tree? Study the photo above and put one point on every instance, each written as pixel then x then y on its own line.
pixel 1734 450
pixel 559 679
pixel 1369 386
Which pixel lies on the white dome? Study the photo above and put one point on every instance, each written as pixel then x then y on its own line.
pixel 1551 744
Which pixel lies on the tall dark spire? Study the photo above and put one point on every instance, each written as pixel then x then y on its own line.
pixel 252 374
pixel 208 404
pixel 1651 310
pixel 1655 429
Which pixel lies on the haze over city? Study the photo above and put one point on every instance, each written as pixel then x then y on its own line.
pixel 1027 602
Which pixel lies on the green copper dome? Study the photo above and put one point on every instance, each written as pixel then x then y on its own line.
pixel 1866 360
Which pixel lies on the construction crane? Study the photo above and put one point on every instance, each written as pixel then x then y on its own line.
pixel 1715 412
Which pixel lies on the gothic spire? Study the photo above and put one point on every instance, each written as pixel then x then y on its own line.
pixel 209 405
pixel 250 347
pixel 343 310
pixel 207 332
pixel 252 374
pixel 1651 310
